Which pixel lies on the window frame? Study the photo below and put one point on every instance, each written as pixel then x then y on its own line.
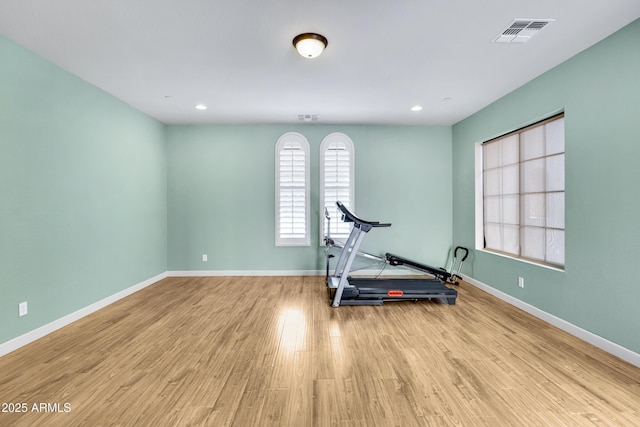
pixel 280 240
pixel 336 137
pixel 481 207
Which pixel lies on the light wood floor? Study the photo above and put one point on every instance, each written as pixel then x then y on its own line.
pixel 270 351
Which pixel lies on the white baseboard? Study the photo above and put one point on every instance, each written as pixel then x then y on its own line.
pixel 22 340
pixel 596 340
pixel 212 273
pixel 235 273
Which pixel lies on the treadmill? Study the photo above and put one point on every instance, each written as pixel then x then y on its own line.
pixel 347 290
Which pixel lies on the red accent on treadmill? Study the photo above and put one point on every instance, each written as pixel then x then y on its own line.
pixel 395 293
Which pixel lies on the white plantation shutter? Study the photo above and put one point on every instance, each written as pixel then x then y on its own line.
pixel 336 183
pixel 292 190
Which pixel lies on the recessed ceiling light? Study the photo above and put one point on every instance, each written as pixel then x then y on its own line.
pixel 201 107
pixel 416 108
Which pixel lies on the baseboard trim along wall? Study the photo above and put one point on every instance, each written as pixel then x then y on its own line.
pixel 596 340
pixel 248 273
pixel 22 340
pixel 234 273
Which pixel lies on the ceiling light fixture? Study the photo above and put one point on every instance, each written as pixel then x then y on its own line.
pixel 416 108
pixel 310 45
pixel 201 107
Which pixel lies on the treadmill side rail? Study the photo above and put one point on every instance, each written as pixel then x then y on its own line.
pixel 440 273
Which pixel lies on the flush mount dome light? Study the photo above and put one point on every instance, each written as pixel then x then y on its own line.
pixel 310 45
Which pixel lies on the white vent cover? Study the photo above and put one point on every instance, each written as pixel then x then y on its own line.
pixel 521 30
pixel 308 118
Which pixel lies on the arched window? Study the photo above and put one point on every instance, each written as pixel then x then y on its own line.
pixel 336 183
pixel 292 190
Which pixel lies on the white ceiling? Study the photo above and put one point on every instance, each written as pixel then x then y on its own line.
pixel 236 56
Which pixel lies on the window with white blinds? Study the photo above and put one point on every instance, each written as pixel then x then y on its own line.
pixel 523 193
pixel 292 190
pixel 336 183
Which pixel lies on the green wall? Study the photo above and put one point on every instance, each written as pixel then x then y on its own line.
pixel 599 90
pixel 222 194
pixel 83 186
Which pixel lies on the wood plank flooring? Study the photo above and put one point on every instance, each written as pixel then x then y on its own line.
pixel 270 351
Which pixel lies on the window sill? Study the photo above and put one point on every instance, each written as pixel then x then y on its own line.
pixel 548 267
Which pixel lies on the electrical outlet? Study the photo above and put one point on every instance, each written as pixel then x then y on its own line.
pixel 521 282
pixel 23 309
pixel 204 258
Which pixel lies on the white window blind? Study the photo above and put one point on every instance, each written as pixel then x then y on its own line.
pixel 292 190
pixel 523 193
pixel 336 183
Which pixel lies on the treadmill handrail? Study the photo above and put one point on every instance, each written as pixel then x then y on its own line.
pixel 466 252
pixel 357 222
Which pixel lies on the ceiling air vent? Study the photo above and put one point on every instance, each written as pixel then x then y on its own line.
pixel 308 118
pixel 521 30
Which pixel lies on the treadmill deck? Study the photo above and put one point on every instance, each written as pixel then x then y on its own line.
pixel 368 289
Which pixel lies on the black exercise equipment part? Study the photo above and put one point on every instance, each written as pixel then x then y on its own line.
pixel 450 276
pixel 346 290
